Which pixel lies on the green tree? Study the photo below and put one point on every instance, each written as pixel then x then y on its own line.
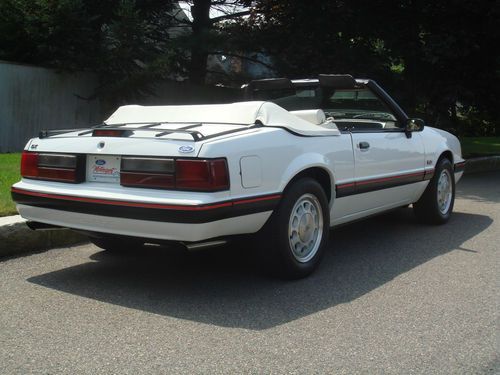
pixel 439 58
pixel 209 35
pixel 125 41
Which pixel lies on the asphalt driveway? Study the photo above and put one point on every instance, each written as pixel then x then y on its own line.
pixel 392 296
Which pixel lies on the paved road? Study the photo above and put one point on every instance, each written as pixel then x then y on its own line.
pixel 392 296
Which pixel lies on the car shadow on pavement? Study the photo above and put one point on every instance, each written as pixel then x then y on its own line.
pixel 225 287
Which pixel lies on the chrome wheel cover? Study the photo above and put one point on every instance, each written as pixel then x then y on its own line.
pixel 444 191
pixel 305 228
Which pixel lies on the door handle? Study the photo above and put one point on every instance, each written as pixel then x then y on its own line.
pixel 364 145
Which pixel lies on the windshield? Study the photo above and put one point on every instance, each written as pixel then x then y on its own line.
pixel 340 104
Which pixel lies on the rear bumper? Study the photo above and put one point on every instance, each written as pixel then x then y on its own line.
pixel 171 213
pixel 149 220
pixel 146 229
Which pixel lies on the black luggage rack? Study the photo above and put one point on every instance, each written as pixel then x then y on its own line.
pixel 150 126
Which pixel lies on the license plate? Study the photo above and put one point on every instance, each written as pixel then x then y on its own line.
pixel 103 168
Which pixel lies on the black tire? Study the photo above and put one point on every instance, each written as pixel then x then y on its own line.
pixel 427 208
pixel 116 244
pixel 280 255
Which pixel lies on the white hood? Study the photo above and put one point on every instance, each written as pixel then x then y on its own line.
pixel 246 113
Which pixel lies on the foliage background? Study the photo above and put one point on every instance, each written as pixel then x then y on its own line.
pixel 439 58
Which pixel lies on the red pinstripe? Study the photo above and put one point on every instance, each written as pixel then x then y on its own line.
pixel 146 205
pixel 375 180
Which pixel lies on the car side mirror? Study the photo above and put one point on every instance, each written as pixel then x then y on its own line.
pixel 414 125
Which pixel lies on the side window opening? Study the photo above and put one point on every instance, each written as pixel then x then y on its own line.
pixel 357 109
pixel 300 99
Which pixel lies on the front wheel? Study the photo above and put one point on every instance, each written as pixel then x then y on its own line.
pixel 298 231
pixel 436 204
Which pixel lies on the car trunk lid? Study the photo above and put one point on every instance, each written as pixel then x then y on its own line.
pixel 153 139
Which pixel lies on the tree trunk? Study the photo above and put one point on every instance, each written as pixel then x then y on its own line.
pixel 201 26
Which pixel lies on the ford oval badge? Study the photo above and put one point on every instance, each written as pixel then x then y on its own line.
pixel 100 162
pixel 186 149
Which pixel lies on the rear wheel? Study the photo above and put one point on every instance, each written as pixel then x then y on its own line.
pixel 298 231
pixel 436 204
pixel 116 244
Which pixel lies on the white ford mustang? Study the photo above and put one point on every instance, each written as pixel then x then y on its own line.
pixel 296 159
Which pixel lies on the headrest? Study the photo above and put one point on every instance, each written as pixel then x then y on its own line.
pixel 316 116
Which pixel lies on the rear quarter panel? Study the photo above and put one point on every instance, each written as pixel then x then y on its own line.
pixel 283 156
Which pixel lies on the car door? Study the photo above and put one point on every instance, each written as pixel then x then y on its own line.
pixel 386 164
pixel 387 161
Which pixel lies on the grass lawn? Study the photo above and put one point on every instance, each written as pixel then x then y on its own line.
pixel 9 173
pixel 480 146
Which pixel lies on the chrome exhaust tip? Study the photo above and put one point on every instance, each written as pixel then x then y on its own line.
pixel 195 246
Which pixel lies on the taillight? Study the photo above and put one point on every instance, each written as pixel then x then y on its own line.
pixel 147 172
pixel 147 180
pixel 181 174
pixel 205 175
pixel 54 167
pixel 29 164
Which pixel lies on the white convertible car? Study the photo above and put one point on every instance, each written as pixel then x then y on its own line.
pixel 295 159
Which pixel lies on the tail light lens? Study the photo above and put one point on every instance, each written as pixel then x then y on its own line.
pixel 147 172
pixel 29 164
pixel 53 167
pixel 204 175
pixel 181 174
pixel 147 180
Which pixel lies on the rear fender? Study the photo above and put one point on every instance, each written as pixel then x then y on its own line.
pixel 304 162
